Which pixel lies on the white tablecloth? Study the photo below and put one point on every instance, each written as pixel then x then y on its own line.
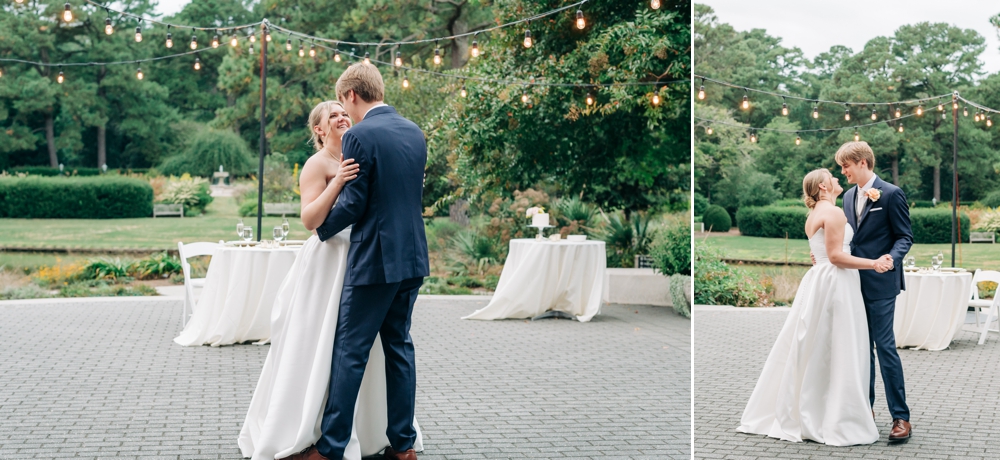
pixel 543 275
pixel 235 304
pixel 931 310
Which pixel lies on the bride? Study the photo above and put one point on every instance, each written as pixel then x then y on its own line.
pixel 815 382
pixel 287 406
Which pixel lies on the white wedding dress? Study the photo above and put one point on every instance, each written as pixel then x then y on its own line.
pixel 287 406
pixel 815 382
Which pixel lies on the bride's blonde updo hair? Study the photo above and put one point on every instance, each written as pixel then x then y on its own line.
pixel 321 111
pixel 810 186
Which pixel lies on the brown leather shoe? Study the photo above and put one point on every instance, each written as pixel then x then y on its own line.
pixel 309 454
pixel 900 430
pixel 391 454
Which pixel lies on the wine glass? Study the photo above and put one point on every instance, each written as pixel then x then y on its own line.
pixel 239 229
pixel 936 263
pixel 247 233
pixel 911 261
pixel 279 233
pixel 284 227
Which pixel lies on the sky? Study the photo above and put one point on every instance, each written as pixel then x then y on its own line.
pixel 168 7
pixel 815 26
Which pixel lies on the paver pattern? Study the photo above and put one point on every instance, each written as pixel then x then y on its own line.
pixel 102 380
pixel 953 395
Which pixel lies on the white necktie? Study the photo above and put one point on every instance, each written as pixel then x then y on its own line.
pixel 860 202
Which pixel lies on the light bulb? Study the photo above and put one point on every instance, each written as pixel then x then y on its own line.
pixel 944 116
pixel 288 45
pixel 253 38
pixel 989 121
pixel 194 42
pixel 920 110
pixel 302 50
pixel 798 140
pixel 475 48
pixel 138 34
pixel 753 138
pixel 312 50
pixel 60 78
pixel 898 113
pixel 954 105
pixel 940 107
pixel 746 102
pixel 701 93
pixel 437 56
pixel 900 127
pixel 234 41
pixel 138 74
pixel 267 36
pixel 784 109
pixel 67 13
pixel 527 39
pixel 170 40
pixel 857 137
pixel 197 64
pixel 406 82
pixel 976 117
pixel 108 28
pixel 965 111
pixel 815 111
pixel 250 49
pixel 580 22
pixel 654 4
pixel 708 130
pixel 590 99
pixel 463 93
pixel 367 58
pixel 19 1
pixel 847 115
pixel 399 60
pixel 1 73
pixel 524 97
pixel 336 55
pixel 874 115
pixel 656 99
pixel 215 41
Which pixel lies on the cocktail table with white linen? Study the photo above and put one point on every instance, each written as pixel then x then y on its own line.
pixel 545 275
pixel 235 304
pixel 931 310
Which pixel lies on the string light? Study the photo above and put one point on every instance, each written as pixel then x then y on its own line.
pixel 847 114
pixel 67 13
pixel 898 112
pixel 399 60
pixel 975 117
pixel 654 4
pixel 857 137
pixel 753 138
pixel 989 121
pixel 138 32
pixel 590 99
pixel 138 73
pixel 524 97
pixel 463 92
pixel 708 130
pixel 944 115
pixel 954 105
pixel 965 111
pixel 336 55
pixel 784 108
pixel 900 127
pixel 250 49
pixel 656 99
pixel 580 22
pixel 108 28
pixel 368 59
pixel 253 37
pixel 197 64
pixel 60 78
pixel 288 45
pixel 527 39
pixel 170 38
pixel 874 115
pixel 437 54
pixel 920 110
pixel 816 112
pixel 312 50
pixel 267 35
pixel 194 42
pixel 746 100
pixel 940 107
pixel 235 41
pixel 798 140
pixel 701 91
pixel 215 40
pixel 475 46
pixel 302 49
pixel 406 82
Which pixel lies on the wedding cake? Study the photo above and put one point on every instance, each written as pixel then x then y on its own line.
pixel 540 220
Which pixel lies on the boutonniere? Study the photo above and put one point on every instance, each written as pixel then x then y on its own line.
pixel 873 194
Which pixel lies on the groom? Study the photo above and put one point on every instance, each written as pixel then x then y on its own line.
pixel 879 214
pixel 387 261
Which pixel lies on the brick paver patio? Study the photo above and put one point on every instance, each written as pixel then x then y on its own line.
pixel 954 395
pixel 103 379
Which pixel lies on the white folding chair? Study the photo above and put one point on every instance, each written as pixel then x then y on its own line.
pixel 186 251
pixel 988 306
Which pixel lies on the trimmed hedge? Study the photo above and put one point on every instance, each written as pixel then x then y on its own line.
pixel 929 226
pixel 70 171
pixel 717 219
pixel 75 197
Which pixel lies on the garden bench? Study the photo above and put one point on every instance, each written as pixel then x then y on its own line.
pixel 168 210
pixel 273 209
pixel 982 237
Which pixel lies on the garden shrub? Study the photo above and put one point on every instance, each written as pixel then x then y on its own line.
pixel 207 150
pixel 933 226
pixel 678 297
pixel 717 219
pixel 773 221
pixel 192 192
pixel 160 265
pixel 625 239
pixel 991 199
pixel 717 283
pixel 48 171
pixel 700 204
pixel 75 198
pixel 929 203
pixel 575 217
pixel 789 203
pixel 671 250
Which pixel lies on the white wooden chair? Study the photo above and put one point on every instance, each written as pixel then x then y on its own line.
pixel 988 306
pixel 186 251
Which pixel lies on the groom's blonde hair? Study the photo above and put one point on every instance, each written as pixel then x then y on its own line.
pixel 364 79
pixel 854 152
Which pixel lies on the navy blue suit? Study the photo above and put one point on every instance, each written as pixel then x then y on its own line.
pixel 386 264
pixel 884 228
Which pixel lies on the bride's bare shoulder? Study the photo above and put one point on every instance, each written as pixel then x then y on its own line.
pixel 830 214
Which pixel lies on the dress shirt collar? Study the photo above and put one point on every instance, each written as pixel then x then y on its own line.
pixel 380 104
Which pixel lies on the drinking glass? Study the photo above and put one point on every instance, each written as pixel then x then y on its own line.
pixel 284 227
pixel 247 233
pixel 911 261
pixel 936 263
pixel 239 229
pixel 279 234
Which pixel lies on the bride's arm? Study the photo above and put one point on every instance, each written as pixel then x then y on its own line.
pixel 318 195
pixel 834 223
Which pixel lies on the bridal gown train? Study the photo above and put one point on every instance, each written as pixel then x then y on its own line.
pixel 287 405
pixel 815 382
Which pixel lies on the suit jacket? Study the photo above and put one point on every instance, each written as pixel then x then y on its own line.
pixel 884 228
pixel 383 203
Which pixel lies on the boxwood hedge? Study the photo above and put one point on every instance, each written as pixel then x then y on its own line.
pixel 929 226
pixel 70 171
pixel 104 197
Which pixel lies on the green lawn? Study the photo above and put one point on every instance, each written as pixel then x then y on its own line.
pixel 985 256
pixel 218 223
